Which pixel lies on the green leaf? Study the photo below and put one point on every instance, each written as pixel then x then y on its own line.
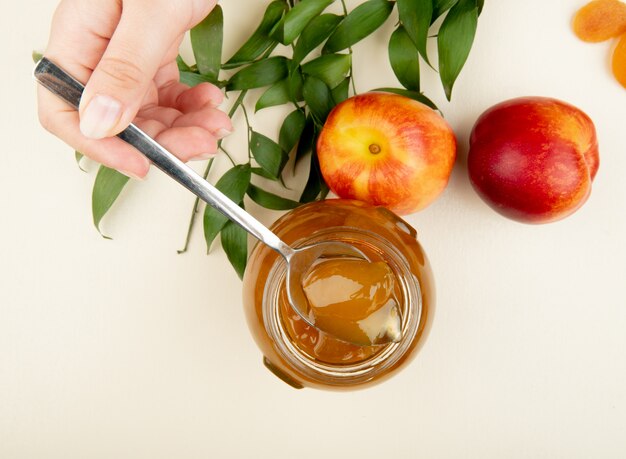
pixel 260 40
pixel 291 130
pixel 297 19
pixel 262 73
pixel 182 65
pixel 214 222
pixel 277 94
pixel 233 184
pixel 263 173
pixel 307 138
pixel 268 154
pixel 270 200
pixel 318 98
pixel 235 244
pixel 480 4
pixel 340 92
pixel 36 55
pixel 455 40
pixel 358 24
pixel 314 34
pixel 315 185
pixel 415 16
pixel 295 85
pixel 206 42
pixel 324 189
pixel 418 96
pixel 330 68
pixel 441 6
pixel 193 79
pixel 404 59
pixel 79 157
pixel 107 187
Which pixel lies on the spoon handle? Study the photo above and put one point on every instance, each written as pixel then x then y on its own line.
pixel 63 85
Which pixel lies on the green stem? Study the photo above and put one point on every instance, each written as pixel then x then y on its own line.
pixel 345 8
pixel 228 156
pixel 351 76
pixel 245 115
pixel 196 208
pixel 237 103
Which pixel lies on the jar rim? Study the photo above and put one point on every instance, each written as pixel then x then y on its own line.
pixel 367 369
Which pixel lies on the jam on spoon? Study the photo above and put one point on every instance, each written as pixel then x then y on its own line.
pixel 354 300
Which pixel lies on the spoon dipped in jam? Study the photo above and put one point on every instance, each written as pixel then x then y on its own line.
pixel 337 319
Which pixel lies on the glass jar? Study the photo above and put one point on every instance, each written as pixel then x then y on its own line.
pixel 302 355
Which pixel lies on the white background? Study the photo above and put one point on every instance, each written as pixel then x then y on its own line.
pixel 125 349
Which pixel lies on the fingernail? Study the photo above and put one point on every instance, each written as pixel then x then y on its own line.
pixel 131 175
pixel 222 132
pixel 218 100
pixel 100 117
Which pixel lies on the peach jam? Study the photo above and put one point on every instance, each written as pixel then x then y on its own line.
pixel 354 300
pixel 396 285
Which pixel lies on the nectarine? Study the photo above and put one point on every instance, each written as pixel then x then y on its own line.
pixel 533 159
pixel 388 150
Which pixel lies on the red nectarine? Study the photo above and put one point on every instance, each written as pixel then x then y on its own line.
pixel 533 159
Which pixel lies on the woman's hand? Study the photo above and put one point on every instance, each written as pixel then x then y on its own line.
pixel 125 51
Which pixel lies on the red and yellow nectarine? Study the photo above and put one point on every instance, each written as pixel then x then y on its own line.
pixel 533 159
pixel 388 150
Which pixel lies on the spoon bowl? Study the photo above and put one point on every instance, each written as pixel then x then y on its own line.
pixel 298 263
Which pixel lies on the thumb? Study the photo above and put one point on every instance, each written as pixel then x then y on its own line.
pixel 120 81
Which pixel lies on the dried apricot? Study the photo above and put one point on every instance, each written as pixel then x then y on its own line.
pixel 600 20
pixel 619 61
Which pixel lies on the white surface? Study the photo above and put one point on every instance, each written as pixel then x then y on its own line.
pixel 125 349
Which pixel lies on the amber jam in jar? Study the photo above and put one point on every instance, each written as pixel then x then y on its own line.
pixel 302 355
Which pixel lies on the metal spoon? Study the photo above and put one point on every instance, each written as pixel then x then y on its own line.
pixel 62 84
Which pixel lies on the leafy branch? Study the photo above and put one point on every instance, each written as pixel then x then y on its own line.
pixel 317 76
